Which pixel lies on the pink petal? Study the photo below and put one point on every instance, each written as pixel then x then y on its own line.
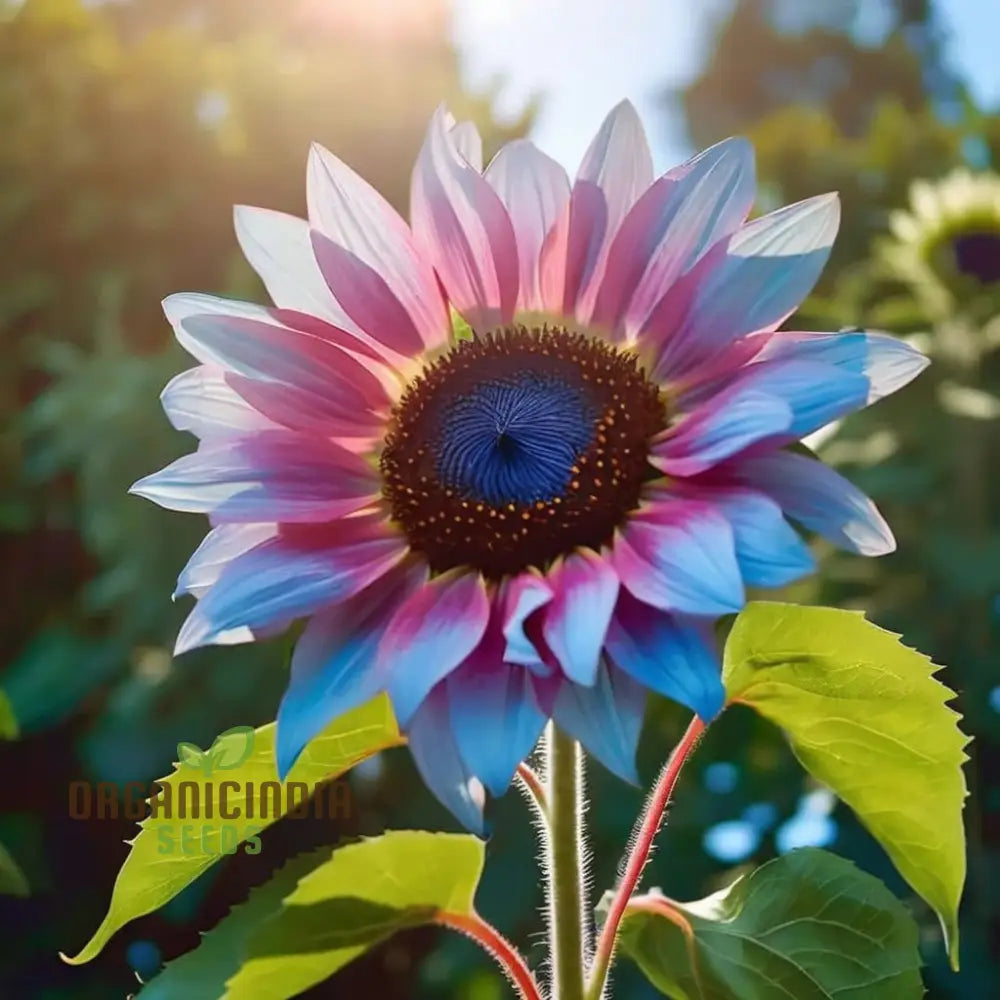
pixel 670 227
pixel 368 298
pixel 585 589
pixel 712 375
pixel 724 425
pixel 257 346
pixel 615 171
pixel 430 634
pixel 353 215
pixel 299 409
pixel 535 190
pixel 464 228
pixel 272 476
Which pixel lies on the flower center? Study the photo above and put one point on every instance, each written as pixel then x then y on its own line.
pixel 516 447
pixel 977 255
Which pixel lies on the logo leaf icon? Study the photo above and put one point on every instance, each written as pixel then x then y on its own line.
pixel 232 748
pixel 190 755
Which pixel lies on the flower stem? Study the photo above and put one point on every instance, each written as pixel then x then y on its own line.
pixel 642 845
pixel 565 865
pixel 490 939
pixel 534 789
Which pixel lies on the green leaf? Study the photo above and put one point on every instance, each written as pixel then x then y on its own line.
pixel 321 911
pixel 808 926
pixel 204 971
pixel 9 729
pixel 865 716
pixel 12 880
pixel 362 895
pixel 170 852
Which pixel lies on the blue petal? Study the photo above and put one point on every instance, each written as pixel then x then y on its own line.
pixel 680 556
pixel 820 499
pixel 770 266
pixel 333 667
pixel 276 582
pixel 586 588
pixel 605 717
pixel 816 393
pixel 768 549
pixel 667 654
pixel 440 764
pixel 888 362
pixel 496 719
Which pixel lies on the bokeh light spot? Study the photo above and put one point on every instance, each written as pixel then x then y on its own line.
pixel 731 841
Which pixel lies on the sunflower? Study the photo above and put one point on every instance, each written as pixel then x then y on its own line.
pixel 543 515
pixel 949 239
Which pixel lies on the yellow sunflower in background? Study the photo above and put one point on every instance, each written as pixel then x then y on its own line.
pixel 947 244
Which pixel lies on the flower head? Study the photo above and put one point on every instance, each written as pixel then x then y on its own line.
pixel 540 519
pixel 949 239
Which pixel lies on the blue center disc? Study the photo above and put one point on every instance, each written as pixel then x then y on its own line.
pixel 514 439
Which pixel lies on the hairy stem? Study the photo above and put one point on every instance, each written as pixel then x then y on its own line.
pixel 642 845
pixel 565 872
pixel 534 789
pixel 491 940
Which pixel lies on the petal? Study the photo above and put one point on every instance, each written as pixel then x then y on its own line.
pixel 303 409
pixel 671 225
pixel 201 401
pixel 440 764
pixel 367 297
pixel 217 550
pixel 535 191
pixel 617 167
pixel 618 160
pixel 770 266
pixel 521 596
pixel 769 551
pixel 888 362
pixel 585 588
pixel 261 348
pixel 469 143
pixel 668 654
pixel 181 306
pixel 723 426
pixel 280 251
pixel 334 664
pixel 495 715
pixel 272 476
pixel 815 393
pixel 431 634
pixel 350 213
pixel 820 499
pixel 463 226
pixel 679 555
pixel 606 717
pixel 287 578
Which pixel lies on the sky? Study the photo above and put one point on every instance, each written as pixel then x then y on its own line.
pixel 583 56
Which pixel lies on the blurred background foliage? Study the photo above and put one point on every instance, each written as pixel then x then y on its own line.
pixel 127 131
